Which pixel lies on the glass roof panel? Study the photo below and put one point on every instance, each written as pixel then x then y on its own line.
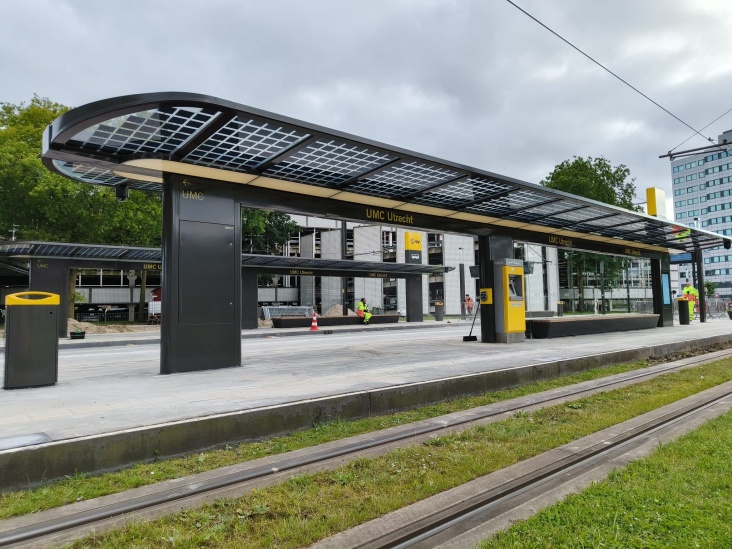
pixel 580 213
pixel 461 193
pixel 328 163
pixel 162 130
pixel 100 176
pixel 520 199
pixel 244 143
pixel 88 174
pixel 100 252
pixel 404 178
pixel 53 250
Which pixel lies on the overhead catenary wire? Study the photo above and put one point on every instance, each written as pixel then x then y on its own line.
pixel 704 128
pixel 696 132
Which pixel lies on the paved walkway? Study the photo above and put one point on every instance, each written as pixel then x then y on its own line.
pixel 110 383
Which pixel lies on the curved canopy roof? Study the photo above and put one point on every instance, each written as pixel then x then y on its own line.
pixel 261 263
pixel 133 140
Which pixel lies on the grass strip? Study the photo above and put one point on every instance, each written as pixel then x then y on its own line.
pixel 83 486
pixel 310 507
pixel 678 497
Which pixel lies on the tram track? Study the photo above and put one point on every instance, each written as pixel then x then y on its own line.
pixel 442 521
pixel 73 521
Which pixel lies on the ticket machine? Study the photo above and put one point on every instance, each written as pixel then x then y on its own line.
pixel 508 292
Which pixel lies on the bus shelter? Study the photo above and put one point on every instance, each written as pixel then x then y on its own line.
pixel 49 264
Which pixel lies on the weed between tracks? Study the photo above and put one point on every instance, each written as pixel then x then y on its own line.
pixel 309 507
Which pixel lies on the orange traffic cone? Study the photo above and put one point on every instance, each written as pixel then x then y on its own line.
pixel 314 324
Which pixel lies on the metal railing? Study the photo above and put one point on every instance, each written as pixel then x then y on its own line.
pixel 716 308
pixel 279 312
pixel 110 315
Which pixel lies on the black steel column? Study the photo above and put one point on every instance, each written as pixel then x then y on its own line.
pixel 491 248
pixel 52 275
pixel 462 290
pixel 661 288
pixel 415 310
pixel 344 280
pixel 249 299
pixel 699 256
pixel 201 282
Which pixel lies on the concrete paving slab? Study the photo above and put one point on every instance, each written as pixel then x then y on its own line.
pixel 111 386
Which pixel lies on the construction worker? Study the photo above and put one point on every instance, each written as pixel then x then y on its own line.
pixel 363 311
pixel 692 295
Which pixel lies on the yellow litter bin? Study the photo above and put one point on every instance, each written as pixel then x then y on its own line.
pixel 31 339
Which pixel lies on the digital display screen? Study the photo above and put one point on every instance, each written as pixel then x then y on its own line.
pixel 666 284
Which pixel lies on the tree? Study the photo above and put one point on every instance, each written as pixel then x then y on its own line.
pixel 45 206
pixel 41 205
pixel 265 232
pixel 709 288
pixel 37 204
pixel 597 180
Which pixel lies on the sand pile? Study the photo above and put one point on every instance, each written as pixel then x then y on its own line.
pixel 337 310
pixel 94 328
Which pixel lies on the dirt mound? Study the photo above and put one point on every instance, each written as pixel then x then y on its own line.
pixel 337 310
pixel 94 328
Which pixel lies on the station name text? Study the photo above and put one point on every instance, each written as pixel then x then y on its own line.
pixel 559 241
pixel 390 215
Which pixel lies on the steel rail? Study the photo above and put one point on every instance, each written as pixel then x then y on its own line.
pixel 194 488
pixel 452 516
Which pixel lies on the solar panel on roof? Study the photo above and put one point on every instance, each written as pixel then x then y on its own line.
pixel 177 126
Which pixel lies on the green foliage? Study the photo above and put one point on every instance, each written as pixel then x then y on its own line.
pixel 46 206
pixel 595 179
pixel 677 497
pixel 78 297
pixel 265 232
pixel 709 288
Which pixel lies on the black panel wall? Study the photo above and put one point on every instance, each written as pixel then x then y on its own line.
pixel 249 300
pixel 201 282
pixel 415 311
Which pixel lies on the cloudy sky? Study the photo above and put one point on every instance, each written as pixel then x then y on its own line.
pixel 475 82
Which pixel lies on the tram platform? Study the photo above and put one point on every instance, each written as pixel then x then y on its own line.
pixel 111 407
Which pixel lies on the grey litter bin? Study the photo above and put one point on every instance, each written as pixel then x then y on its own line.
pixel 560 308
pixel 439 310
pixel 31 339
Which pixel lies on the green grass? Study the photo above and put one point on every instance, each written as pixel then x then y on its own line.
pixel 679 497
pixel 309 507
pixel 81 486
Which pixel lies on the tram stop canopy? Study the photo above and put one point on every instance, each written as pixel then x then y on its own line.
pixel 131 141
pixel 208 155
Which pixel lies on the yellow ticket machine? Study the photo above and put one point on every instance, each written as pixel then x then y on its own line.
pixel 508 294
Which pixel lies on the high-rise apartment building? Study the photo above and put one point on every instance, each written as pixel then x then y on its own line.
pixel 702 185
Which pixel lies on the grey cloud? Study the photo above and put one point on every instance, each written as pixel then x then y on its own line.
pixel 473 82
